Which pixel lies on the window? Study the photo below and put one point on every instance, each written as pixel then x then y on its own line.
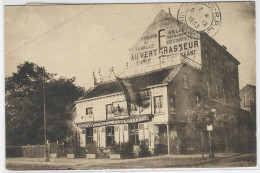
pixel 89 135
pixel 110 135
pixel 134 137
pixel 207 61
pixel 172 104
pixel 89 111
pixel 185 81
pixel 134 109
pixel 161 37
pixel 109 111
pixel 158 104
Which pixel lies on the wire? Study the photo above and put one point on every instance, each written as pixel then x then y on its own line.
pixel 49 31
pixel 111 40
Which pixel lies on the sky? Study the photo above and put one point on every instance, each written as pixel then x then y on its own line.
pixel 75 40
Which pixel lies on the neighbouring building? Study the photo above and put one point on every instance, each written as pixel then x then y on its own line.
pixel 172 73
pixel 248 99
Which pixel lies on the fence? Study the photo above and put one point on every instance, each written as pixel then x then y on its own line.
pixel 38 150
pixel 33 151
pixel 14 151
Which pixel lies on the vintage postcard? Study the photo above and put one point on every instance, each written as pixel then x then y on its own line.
pixel 130 86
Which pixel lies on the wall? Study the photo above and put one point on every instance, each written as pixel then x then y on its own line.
pixel 184 98
pixel 99 108
pixel 248 98
pixel 220 69
pixel 164 44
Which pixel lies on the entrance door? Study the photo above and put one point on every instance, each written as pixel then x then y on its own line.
pixel 162 146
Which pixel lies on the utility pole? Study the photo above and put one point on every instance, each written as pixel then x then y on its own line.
pixel 46 157
pixel 210 145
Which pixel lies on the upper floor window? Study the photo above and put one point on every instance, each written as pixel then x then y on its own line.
pixel 172 104
pixel 158 104
pixel 89 111
pixel 162 38
pixel 109 111
pixel 207 61
pixel 134 109
pixel 185 81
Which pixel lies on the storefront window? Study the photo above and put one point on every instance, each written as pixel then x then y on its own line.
pixel 134 136
pixel 158 104
pixel 89 135
pixel 110 135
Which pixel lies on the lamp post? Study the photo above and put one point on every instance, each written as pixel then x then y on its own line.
pixel 46 156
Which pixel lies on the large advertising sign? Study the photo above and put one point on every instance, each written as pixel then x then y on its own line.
pixel 165 44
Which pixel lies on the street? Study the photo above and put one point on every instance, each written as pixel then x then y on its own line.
pixel 176 161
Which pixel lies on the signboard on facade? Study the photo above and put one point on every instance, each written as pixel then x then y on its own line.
pixel 120 108
pixel 165 44
pixel 116 121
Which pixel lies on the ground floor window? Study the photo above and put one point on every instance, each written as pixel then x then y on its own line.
pixel 110 132
pixel 134 134
pixel 89 135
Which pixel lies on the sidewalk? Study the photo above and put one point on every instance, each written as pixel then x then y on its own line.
pixel 165 161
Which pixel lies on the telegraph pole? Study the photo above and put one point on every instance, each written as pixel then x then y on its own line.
pixel 46 157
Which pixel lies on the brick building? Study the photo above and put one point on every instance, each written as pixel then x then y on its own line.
pixel 172 73
pixel 248 99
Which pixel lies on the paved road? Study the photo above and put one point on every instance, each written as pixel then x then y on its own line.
pixel 176 161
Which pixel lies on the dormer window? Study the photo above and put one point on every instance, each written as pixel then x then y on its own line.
pixel 89 111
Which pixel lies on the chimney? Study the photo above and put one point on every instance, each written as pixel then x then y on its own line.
pixel 95 79
pixel 170 11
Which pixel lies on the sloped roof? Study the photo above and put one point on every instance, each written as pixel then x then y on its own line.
pixel 162 16
pixel 140 81
pixel 248 86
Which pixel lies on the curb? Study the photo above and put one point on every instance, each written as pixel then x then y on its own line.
pixel 209 161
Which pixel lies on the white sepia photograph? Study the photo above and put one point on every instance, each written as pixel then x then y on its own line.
pixel 130 86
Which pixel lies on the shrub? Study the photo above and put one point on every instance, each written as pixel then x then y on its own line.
pixel 103 152
pixel 115 148
pixel 91 148
pixel 144 149
pixel 124 149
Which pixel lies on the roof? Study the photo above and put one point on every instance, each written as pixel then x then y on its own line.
pixel 140 81
pixel 249 86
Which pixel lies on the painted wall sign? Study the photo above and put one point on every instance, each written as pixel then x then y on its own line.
pixel 117 121
pixel 165 44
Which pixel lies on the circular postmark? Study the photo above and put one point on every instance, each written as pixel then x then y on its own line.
pixel 195 18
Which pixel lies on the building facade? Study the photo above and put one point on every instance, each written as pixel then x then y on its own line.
pixel 172 73
pixel 248 99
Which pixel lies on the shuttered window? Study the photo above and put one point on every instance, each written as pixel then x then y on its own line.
pixel 158 104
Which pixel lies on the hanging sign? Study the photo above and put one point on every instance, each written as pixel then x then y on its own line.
pixel 210 127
